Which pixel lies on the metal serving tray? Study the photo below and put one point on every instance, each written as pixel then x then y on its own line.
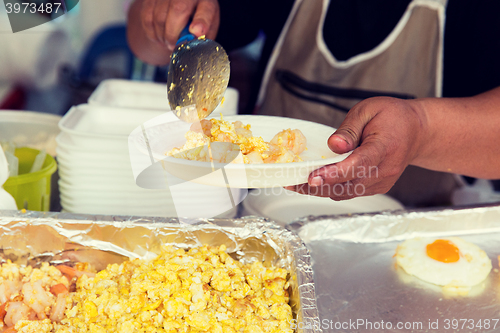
pixel 360 289
pixel 33 236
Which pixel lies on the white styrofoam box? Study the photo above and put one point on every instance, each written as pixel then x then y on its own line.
pixel 99 192
pixel 131 94
pixel 129 202
pixel 101 157
pixel 149 95
pixel 96 169
pixel 94 162
pixel 76 177
pixel 127 205
pixel 187 197
pixel 85 208
pixel 117 200
pixel 69 142
pixel 75 171
pixel 103 122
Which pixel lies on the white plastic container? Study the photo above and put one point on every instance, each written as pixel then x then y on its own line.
pixel 103 122
pixel 96 173
pixel 149 96
pixel 30 129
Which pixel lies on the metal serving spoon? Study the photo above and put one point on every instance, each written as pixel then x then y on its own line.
pixel 198 75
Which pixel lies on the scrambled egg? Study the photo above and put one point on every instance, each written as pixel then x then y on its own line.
pixel 201 290
pixel 32 326
pixel 204 143
pixel 47 274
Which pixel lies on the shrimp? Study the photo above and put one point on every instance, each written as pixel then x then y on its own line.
pixel 280 155
pixel 287 156
pixel 71 272
pixel 242 130
pixel 16 311
pixel 223 137
pixel 238 124
pixel 246 133
pixel 254 157
pixel 3 312
pixel 4 292
pixel 272 150
pixel 14 287
pixel 33 316
pixel 59 289
pixel 291 139
pixel 57 313
pixel 224 152
pixel 8 289
pixel 204 126
pixel 36 297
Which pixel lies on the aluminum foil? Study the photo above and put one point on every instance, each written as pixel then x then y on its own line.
pixel 33 237
pixel 360 289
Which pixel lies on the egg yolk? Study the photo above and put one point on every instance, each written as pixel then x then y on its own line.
pixel 443 250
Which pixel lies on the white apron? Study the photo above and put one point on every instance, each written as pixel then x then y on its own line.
pixel 304 80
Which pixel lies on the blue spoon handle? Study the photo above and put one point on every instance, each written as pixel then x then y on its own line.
pixel 185 35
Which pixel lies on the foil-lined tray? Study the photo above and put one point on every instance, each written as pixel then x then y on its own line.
pixel 33 237
pixel 360 289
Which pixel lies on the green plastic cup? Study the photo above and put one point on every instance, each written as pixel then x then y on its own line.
pixel 31 190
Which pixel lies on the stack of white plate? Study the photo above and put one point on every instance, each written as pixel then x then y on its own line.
pixel 95 170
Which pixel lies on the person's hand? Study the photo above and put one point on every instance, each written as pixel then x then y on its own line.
pixel 385 134
pixel 163 20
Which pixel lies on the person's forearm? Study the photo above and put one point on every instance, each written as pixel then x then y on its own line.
pixel 148 51
pixel 461 135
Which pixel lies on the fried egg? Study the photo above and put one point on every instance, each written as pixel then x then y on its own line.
pixel 449 262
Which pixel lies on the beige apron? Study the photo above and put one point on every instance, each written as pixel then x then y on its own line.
pixel 408 62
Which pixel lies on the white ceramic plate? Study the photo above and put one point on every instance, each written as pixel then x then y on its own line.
pixel 163 137
pixel 284 206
